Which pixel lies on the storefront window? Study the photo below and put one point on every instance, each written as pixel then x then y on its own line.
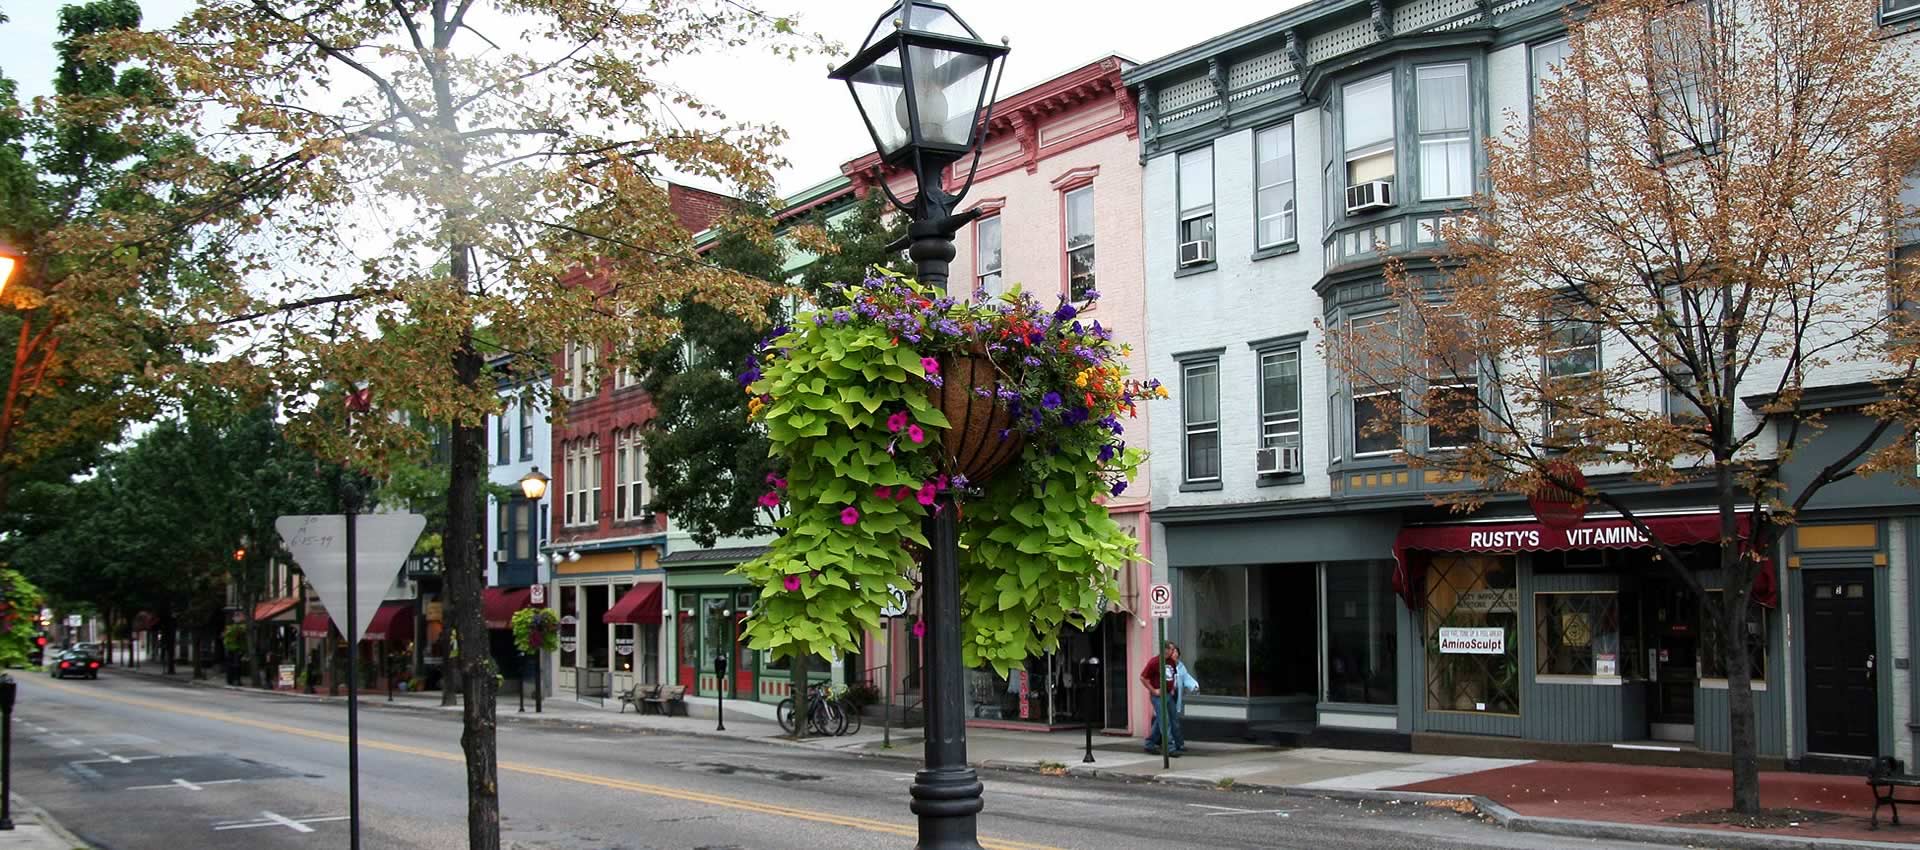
pixel 1360 633
pixel 594 626
pixel 569 625
pixel 1472 623
pixel 1713 663
pixel 1581 634
pixel 1282 632
pixel 1213 628
pixel 622 636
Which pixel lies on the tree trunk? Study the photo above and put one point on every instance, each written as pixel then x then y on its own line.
pixel 167 629
pixel 450 665
pixel 464 576
pixel 1744 737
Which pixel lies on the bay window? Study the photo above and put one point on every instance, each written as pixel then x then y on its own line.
pixel 1549 61
pixel 1273 175
pixel 629 474
pixel 1445 131
pixel 1573 363
pixel 1367 120
pixel 1375 391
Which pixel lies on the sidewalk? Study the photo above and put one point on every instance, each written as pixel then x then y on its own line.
pixel 34 829
pixel 1584 800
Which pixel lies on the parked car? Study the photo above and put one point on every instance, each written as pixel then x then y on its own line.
pixel 94 649
pixel 74 662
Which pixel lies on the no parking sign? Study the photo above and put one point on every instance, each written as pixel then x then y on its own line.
pixel 1160 601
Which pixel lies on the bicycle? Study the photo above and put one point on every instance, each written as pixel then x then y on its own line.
pixel 825 717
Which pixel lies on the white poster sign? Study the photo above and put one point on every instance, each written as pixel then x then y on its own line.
pixel 1461 641
pixel 318 544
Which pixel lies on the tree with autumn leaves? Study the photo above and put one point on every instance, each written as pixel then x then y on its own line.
pixel 427 180
pixel 1696 228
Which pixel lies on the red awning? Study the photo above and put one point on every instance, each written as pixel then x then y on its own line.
pixel 391 621
pixel 272 609
pixel 640 605
pixel 499 603
pixel 316 625
pixel 1410 548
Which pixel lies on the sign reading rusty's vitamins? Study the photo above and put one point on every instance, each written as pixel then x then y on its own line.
pixel 1461 641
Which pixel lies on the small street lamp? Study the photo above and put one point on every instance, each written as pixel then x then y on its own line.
pixel 10 262
pixel 534 484
pixel 924 83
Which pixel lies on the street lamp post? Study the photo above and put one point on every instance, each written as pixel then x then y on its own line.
pixel 10 262
pixel 533 486
pixel 923 81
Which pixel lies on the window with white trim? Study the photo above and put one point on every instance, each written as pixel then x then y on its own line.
pixel 1573 358
pixel 1196 195
pixel 526 430
pixel 1453 405
pixel 1367 119
pixel 628 374
pixel 629 475
pixel 582 497
pixel 1280 398
pixel 1376 398
pixel 1201 409
pixel 582 359
pixel 1891 9
pixel 502 439
pixel 1682 45
pixel 1079 216
pixel 1445 130
pixel 1549 61
pixel 1273 198
pixel 986 255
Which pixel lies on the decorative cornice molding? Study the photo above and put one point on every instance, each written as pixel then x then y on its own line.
pixel 989 206
pixel 1075 178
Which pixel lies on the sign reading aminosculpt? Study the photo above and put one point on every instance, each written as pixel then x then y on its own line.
pixel 1459 641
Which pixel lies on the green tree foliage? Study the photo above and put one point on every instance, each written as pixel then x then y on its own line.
pixel 19 609
pixel 110 213
pixel 705 462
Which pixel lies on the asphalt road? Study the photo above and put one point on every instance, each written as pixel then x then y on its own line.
pixel 130 763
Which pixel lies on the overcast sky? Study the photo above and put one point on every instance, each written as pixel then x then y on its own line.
pixel 1048 37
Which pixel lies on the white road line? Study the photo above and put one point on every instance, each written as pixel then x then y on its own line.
pixel 1227 810
pixel 76 742
pixel 182 783
pixel 40 729
pixel 271 819
pixel 112 757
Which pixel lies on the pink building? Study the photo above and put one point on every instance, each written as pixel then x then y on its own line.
pixel 1059 192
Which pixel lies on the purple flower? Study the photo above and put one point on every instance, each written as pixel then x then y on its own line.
pixel 1119 487
pixel 1031 360
pixel 842 317
pixel 1101 332
pixel 1106 453
pixel 948 327
pixel 749 376
pixel 1091 295
pixel 960 481
pixel 936 380
pixel 1050 401
pixel 1075 416
pixel 1065 312
pixel 819 321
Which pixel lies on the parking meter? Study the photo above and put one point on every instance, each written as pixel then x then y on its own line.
pixel 1090 683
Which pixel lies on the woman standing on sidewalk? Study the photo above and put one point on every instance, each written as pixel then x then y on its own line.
pixel 1165 670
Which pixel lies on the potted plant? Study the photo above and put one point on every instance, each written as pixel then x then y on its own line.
pixel 891 396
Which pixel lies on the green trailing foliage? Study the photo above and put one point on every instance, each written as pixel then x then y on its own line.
pixel 856 434
pixel 536 629
pixel 19 618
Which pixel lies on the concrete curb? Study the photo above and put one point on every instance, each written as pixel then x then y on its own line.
pixel 53 827
pixel 1499 814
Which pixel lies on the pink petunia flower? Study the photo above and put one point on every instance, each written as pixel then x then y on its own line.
pixel 883 493
pixel 930 365
pixel 920 628
pixel 903 493
pixel 940 481
pixel 770 499
pixel 850 516
pixel 915 434
pixel 926 493
pixel 792 583
pixel 897 422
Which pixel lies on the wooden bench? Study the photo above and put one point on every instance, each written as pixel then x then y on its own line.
pixel 667 699
pixel 1885 777
pixel 637 696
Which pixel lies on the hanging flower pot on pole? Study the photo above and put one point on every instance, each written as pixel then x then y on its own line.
pixel 1559 498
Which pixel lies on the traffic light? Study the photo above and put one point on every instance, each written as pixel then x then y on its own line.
pixel 40 641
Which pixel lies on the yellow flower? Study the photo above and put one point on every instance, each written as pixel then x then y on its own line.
pixel 1160 391
pixel 1080 380
pixel 1125 349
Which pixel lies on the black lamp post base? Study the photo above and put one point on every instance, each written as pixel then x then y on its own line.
pixel 947 800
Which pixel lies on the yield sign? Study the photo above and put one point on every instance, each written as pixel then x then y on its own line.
pixel 319 545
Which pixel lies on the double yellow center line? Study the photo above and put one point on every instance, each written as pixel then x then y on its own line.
pixel 735 803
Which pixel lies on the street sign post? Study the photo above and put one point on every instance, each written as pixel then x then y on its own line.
pixel 1160 607
pixel 537 594
pixel 332 551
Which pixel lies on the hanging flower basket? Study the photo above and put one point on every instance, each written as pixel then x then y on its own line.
pixel 890 395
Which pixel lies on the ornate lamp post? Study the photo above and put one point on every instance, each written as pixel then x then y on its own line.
pixel 533 486
pixel 923 82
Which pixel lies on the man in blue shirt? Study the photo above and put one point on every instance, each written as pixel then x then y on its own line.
pixel 1165 670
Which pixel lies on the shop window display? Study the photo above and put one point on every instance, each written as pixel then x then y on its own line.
pixel 1360 615
pixel 1213 632
pixel 1472 622
pixel 1584 634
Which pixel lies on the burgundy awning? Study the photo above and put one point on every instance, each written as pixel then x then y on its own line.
pixel 316 625
pixel 499 603
pixel 639 605
pixel 1411 547
pixel 391 621
pixel 273 608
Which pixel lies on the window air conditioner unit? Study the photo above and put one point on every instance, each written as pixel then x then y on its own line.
pixel 499 556
pixel 1371 195
pixel 1277 460
pixel 1195 253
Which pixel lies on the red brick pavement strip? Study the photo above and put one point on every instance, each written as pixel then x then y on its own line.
pixel 1652 795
